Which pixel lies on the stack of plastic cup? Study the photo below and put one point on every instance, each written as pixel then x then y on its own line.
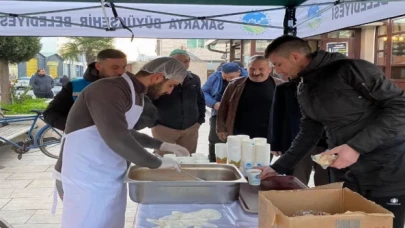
pixel 221 153
pixel 248 154
pixel 260 141
pixel 244 137
pixel 234 150
pixel 262 157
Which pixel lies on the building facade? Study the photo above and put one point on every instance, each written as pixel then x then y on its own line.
pixel 382 43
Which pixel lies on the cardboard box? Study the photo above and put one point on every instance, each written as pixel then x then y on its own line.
pixel 347 208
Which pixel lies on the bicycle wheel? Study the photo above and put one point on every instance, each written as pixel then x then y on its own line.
pixel 50 141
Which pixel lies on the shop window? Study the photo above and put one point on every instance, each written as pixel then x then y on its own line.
pixel 398 25
pixel 341 34
pixel 195 43
pixel 398 50
pixel 382 30
pixel 381 58
pixel 261 45
pixel 382 43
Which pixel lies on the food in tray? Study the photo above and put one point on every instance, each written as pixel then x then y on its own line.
pixel 184 220
pixel 236 163
pixel 324 160
pixel 309 212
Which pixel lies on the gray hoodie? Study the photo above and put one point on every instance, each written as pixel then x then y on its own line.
pixel 41 83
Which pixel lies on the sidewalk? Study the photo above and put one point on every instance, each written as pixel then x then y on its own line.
pixel 27 186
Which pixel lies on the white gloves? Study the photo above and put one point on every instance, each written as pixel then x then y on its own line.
pixel 174 148
pixel 168 163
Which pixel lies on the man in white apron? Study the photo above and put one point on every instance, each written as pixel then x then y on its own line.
pixel 100 141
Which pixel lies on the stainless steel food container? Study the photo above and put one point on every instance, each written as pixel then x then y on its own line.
pixel 167 186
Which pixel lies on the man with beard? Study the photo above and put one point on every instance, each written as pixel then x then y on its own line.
pixel 362 112
pixel 110 63
pixel 181 113
pixel 42 84
pixel 246 104
pixel 99 143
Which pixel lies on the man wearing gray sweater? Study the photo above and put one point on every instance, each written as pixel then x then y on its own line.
pixel 42 84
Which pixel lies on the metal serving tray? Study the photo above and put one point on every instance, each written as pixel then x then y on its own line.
pixel 166 186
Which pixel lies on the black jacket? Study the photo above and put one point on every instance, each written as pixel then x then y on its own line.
pixel 356 105
pixel 286 118
pixel 58 109
pixel 184 107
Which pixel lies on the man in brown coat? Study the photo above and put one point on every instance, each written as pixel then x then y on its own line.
pixel 246 104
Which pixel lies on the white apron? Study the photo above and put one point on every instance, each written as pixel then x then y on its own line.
pixel 95 195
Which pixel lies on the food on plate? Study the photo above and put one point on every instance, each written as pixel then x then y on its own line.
pixel 324 160
pixel 309 212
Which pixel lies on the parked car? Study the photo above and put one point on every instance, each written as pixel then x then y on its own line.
pixel 57 81
pixel 22 83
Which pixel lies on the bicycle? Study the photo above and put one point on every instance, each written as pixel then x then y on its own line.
pixel 49 145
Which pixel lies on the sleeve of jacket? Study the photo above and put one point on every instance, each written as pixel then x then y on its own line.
pixel 146 141
pixel 371 82
pixel 33 83
pixel 208 91
pixel 200 103
pixel 310 133
pixel 224 108
pixel 58 109
pixel 277 120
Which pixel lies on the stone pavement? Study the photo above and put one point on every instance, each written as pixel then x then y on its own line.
pixel 27 186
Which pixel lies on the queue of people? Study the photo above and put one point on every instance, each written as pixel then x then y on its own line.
pixel 329 102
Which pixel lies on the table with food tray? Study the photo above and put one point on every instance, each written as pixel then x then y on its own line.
pixel 224 189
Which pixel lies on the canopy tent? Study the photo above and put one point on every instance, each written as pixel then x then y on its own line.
pixel 197 19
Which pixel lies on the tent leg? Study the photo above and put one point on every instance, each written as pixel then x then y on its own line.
pixel 289 21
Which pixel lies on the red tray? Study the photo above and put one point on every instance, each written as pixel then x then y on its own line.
pixel 249 195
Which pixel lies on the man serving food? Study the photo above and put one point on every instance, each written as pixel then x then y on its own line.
pixel 100 142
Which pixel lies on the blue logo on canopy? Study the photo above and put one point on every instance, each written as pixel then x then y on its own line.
pixel 257 18
pixel 315 17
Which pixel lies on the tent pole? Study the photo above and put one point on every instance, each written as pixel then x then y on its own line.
pixel 289 21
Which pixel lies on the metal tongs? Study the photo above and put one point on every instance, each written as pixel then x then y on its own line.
pixel 182 171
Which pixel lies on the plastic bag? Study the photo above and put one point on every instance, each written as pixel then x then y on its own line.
pixel 324 160
pixel 309 212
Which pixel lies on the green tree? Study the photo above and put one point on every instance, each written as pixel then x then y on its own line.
pixel 87 46
pixel 15 50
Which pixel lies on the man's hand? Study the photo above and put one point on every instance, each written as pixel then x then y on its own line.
pixel 222 136
pixel 276 153
pixel 174 148
pixel 347 156
pixel 216 105
pixel 267 171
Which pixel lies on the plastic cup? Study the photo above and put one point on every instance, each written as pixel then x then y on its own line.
pixel 254 176
pixel 259 141
pixel 169 155
pixel 199 155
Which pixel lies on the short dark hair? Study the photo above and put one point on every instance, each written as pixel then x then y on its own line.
pixel 286 44
pixel 110 54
